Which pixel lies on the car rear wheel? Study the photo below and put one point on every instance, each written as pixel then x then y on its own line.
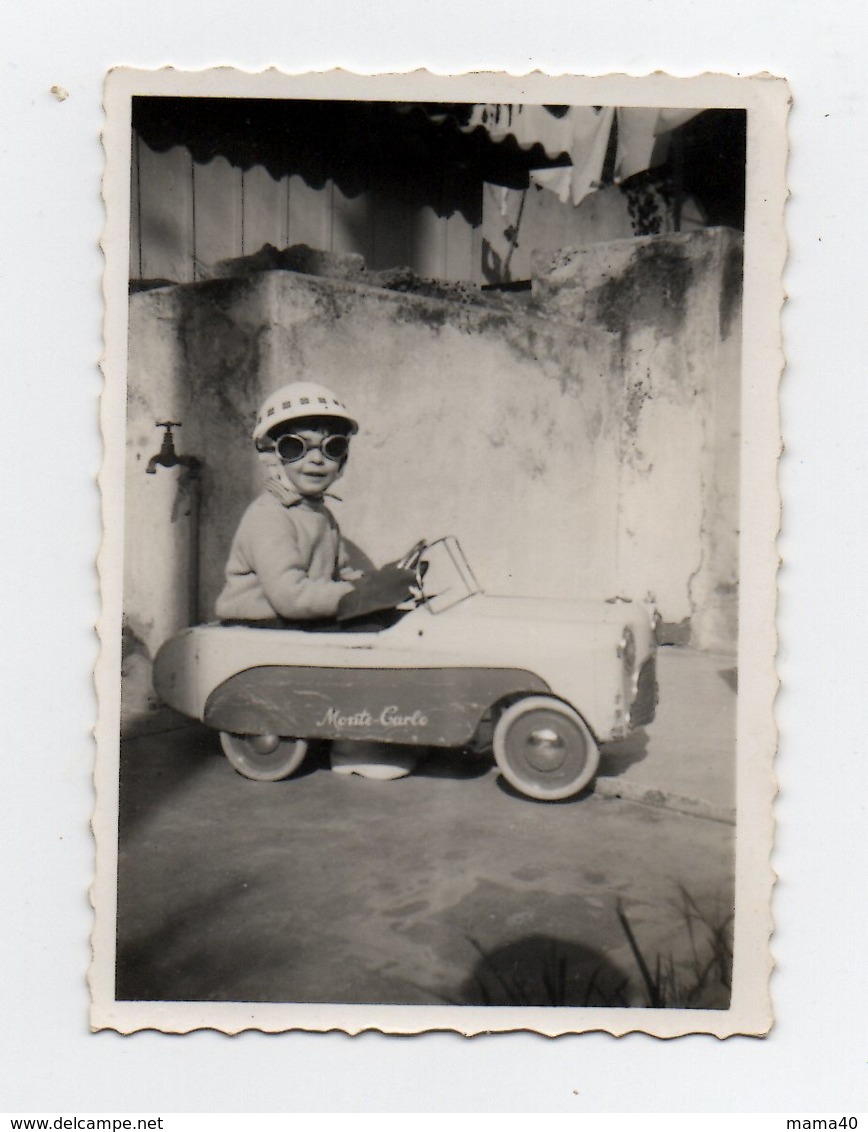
pixel 264 758
pixel 545 749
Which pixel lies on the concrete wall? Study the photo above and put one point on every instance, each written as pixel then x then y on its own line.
pixel 674 303
pixel 583 444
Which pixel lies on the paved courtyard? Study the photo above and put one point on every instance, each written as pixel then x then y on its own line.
pixel 444 887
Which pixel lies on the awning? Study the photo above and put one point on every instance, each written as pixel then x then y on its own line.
pixel 430 153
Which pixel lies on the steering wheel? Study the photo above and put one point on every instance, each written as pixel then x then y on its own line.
pixel 410 561
pixel 387 588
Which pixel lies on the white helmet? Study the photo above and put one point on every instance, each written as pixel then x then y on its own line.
pixel 300 399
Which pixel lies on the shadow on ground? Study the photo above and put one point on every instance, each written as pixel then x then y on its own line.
pixel 540 970
pixel 616 758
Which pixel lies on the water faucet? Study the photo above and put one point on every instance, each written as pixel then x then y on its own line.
pixel 167 456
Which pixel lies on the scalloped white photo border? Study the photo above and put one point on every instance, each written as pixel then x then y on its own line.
pixel 767 101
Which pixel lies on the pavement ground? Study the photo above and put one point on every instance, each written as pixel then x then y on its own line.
pixel 686 759
pixel 443 887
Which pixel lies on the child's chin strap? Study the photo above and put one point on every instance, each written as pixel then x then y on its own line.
pixel 277 483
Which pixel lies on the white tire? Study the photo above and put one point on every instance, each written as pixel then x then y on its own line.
pixel 545 749
pixel 261 757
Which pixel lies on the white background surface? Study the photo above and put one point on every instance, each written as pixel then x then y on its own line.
pixel 50 270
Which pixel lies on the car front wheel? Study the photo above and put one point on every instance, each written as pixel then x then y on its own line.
pixel 264 758
pixel 545 749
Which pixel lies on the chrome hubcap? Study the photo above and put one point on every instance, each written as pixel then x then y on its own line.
pixel 264 744
pixel 545 749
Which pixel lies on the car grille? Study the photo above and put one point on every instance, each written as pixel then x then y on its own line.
pixel 645 704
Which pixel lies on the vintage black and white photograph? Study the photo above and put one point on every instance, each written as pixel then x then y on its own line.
pixel 438 583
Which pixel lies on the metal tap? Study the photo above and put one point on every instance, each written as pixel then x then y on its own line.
pixel 167 456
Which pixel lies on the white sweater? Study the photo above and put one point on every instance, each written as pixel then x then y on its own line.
pixel 285 560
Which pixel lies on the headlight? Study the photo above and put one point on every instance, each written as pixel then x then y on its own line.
pixel 627 650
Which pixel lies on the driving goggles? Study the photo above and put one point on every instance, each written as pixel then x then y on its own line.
pixel 291 447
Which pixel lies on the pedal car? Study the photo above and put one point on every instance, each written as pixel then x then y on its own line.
pixel 547 680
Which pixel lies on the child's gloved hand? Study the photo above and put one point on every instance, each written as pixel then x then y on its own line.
pixel 383 589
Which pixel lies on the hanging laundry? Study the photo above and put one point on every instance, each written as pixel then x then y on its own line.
pixel 643 137
pixel 558 180
pixel 671 118
pixel 591 129
pixel 582 133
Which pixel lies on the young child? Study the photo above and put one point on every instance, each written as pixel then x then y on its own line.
pixel 287 565
pixel 287 561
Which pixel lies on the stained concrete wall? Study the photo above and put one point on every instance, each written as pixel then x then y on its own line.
pixel 674 303
pixel 582 444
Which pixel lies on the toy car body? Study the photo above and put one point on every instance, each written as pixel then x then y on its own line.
pixel 553 678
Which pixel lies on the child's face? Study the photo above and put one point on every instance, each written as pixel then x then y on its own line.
pixel 314 472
